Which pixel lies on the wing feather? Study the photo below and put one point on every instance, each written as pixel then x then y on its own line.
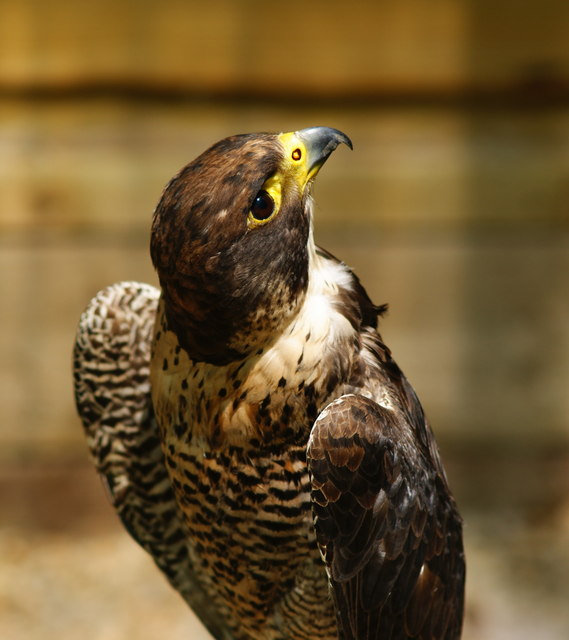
pixel 111 362
pixel 386 525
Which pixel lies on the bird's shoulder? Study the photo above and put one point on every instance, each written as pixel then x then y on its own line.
pixel 386 522
pixel 112 351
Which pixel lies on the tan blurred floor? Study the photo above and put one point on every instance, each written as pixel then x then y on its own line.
pixel 94 588
pixel 106 588
pixel 69 570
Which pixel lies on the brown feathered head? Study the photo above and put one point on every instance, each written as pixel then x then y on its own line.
pixel 230 240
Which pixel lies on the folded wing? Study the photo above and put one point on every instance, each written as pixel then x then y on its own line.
pixel 111 362
pixel 386 525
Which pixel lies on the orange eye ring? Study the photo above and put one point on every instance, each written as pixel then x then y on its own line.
pixel 297 154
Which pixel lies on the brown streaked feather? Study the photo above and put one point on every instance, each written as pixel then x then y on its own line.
pixel 212 271
pixel 111 361
pixel 386 525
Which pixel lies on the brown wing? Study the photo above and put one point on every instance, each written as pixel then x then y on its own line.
pixel 386 525
pixel 112 391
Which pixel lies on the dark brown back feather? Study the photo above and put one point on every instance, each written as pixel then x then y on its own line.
pixel 386 524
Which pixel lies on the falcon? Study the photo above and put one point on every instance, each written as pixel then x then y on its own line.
pixel 252 429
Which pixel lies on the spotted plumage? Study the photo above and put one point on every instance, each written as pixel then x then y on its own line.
pixel 253 430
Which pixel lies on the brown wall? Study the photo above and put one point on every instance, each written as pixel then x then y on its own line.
pixel 453 207
pixel 320 47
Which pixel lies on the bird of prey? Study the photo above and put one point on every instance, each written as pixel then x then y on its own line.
pixel 253 431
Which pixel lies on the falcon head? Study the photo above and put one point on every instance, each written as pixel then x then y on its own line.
pixel 231 239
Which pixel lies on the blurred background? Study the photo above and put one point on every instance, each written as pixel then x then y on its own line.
pixel 453 207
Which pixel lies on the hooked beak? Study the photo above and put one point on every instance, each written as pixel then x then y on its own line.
pixel 320 142
pixel 308 149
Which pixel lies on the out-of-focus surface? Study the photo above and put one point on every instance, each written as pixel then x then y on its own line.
pixel 453 207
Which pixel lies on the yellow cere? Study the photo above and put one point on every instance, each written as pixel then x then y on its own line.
pixel 295 151
pixel 298 159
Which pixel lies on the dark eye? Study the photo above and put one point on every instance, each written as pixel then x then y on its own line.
pixel 263 206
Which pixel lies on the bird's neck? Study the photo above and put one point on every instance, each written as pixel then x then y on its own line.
pixel 274 394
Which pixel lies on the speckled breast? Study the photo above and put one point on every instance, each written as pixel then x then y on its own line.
pixel 250 529
pixel 246 506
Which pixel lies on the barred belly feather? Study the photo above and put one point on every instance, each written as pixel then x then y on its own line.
pixel 236 456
